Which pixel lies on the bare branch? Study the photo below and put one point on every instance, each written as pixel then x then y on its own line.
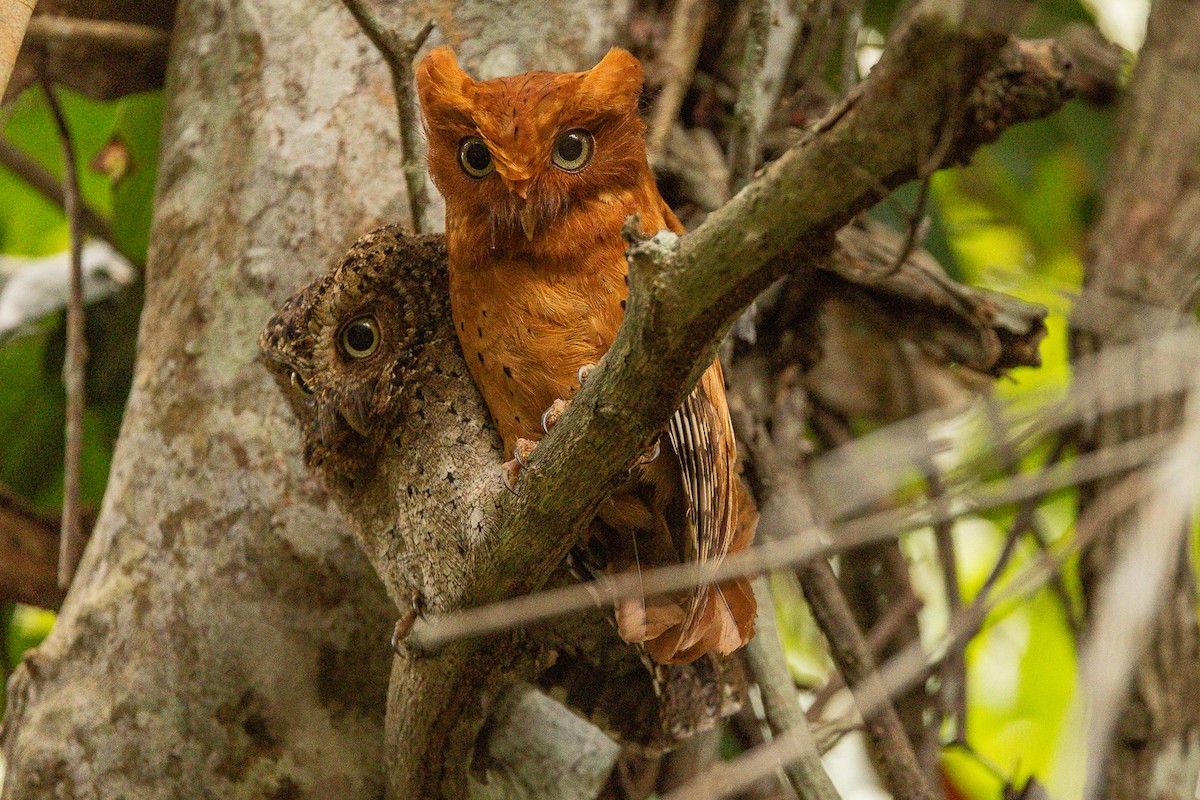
pixel 768 666
pixel 743 134
pixel 438 631
pixel 399 55
pixel 72 539
pixel 1139 581
pixel 44 29
pixel 877 638
pixel 786 508
pixel 899 768
pixel 915 663
pixel 679 63
pixel 49 187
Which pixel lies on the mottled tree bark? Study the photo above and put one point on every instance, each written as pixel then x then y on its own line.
pixel 224 636
pixel 1142 276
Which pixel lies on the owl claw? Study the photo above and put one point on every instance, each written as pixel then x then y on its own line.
pixel 405 624
pixel 508 475
pixel 550 415
pixel 523 450
pixel 584 371
pixel 510 469
pixel 651 454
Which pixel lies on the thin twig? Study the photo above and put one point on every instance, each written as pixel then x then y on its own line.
pixel 106 32
pixel 1026 517
pixel 438 631
pixel 679 65
pixel 930 165
pixel 1022 523
pixel 45 184
pixel 767 665
pixel 915 663
pixel 897 760
pixel 877 639
pixel 786 510
pixel 72 541
pixel 743 133
pixel 399 55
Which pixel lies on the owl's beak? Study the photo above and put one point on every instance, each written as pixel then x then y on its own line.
pixel 520 187
pixel 528 220
pixel 351 417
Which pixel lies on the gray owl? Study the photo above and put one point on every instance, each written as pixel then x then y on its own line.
pixel 345 347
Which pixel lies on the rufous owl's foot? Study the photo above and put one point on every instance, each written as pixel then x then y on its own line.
pixel 551 415
pixel 408 618
pixel 509 470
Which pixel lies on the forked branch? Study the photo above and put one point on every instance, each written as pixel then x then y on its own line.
pixel 399 54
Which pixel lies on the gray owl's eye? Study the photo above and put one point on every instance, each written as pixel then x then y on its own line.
pixel 361 337
pixel 475 158
pixel 299 383
pixel 573 150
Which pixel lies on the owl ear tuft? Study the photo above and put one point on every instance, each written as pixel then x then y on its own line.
pixel 441 83
pixel 618 74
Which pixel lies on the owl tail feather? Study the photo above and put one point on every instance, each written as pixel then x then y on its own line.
pixel 725 623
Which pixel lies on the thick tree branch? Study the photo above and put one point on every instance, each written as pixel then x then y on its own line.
pixel 685 293
pixel 1142 269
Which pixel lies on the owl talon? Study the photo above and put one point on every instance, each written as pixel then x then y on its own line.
pixel 550 415
pixel 651 455
pixel 523 450
pixel 584 371
pixel 509 471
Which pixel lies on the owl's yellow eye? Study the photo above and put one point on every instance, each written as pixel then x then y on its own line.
pixel 361 337
pixel 475 158
pixel 573 150
pixel 299 383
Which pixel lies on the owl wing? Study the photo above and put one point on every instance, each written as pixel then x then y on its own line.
pixel 719 518
pixel 702 439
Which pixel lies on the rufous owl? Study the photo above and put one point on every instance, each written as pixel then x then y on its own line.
pixel 539 172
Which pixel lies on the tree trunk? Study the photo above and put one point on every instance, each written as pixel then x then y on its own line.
pixel 224 637
pixel 1141 280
